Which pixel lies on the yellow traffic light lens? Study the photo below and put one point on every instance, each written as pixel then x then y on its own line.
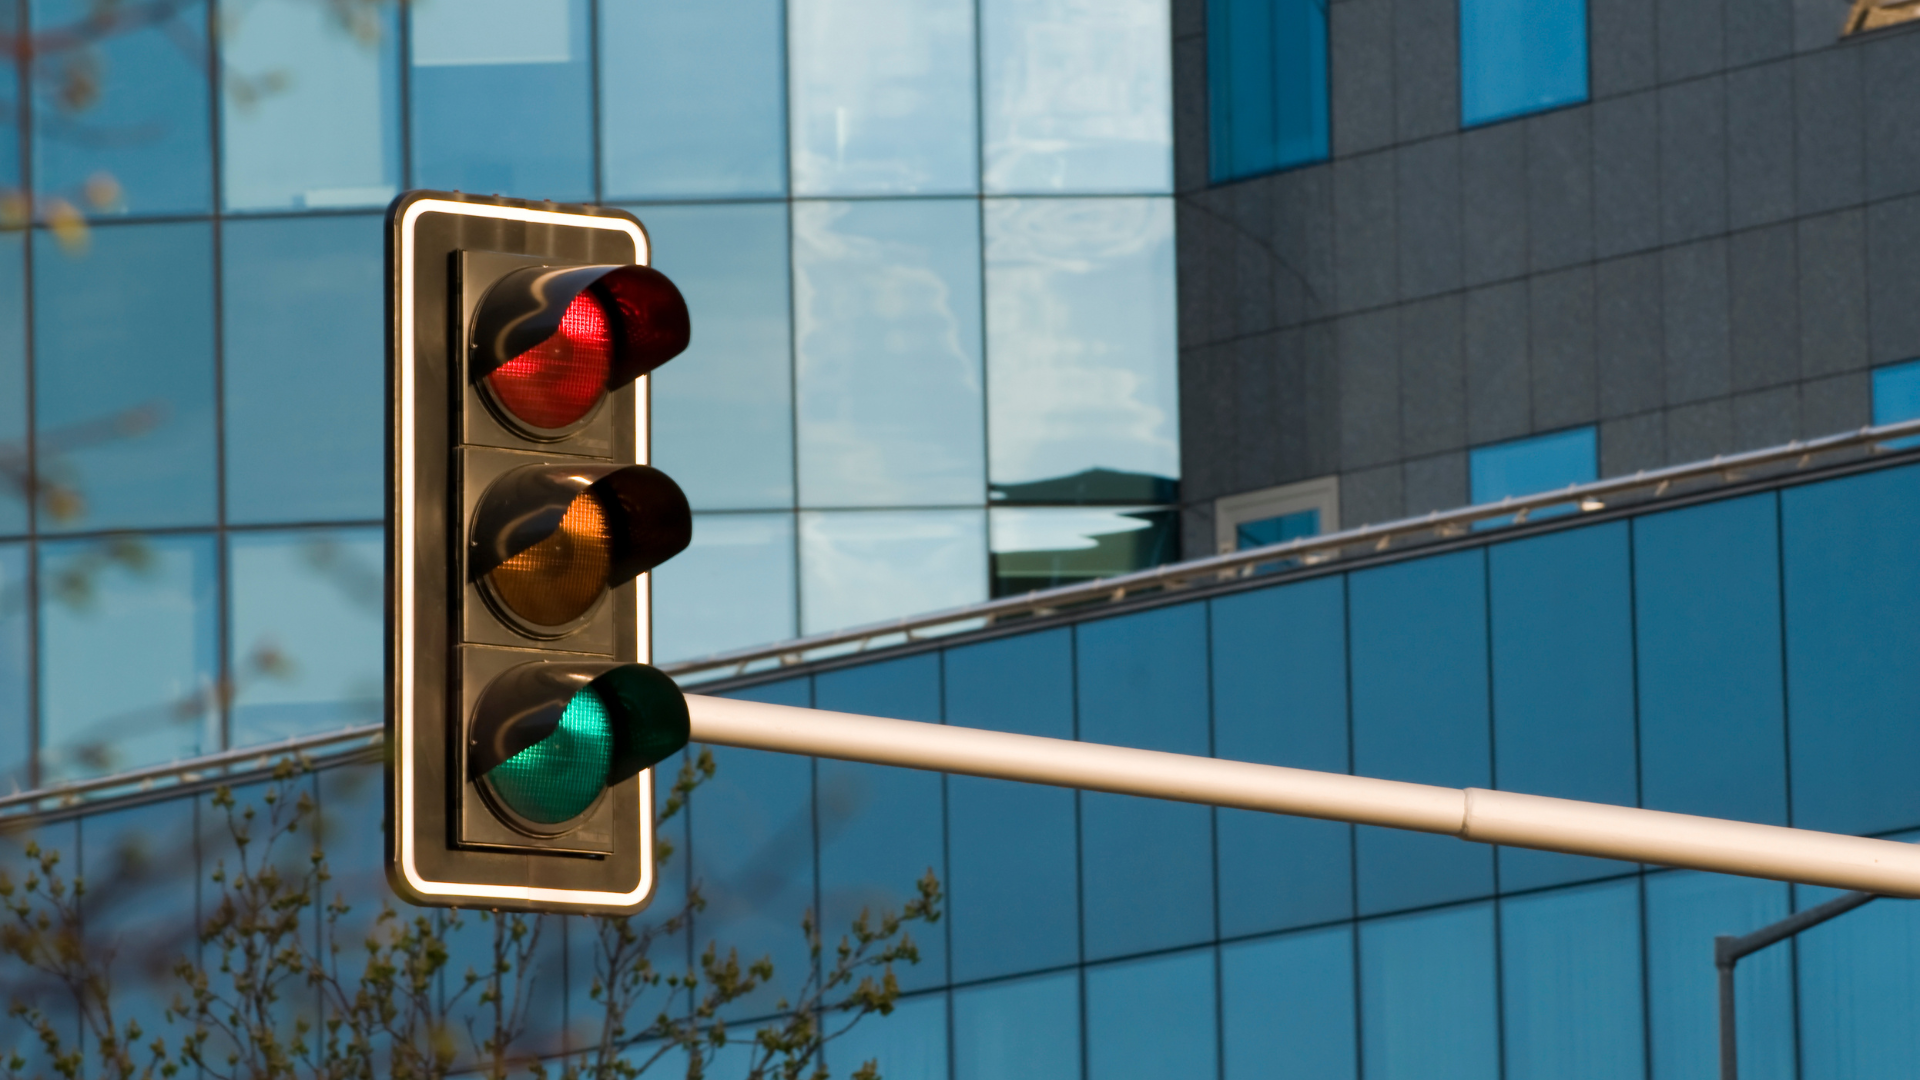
pixel 558 579
pixel 558 778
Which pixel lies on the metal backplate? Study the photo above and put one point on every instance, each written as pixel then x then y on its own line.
pixel 432 857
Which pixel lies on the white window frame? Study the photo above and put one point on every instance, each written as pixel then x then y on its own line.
pixel 1322 493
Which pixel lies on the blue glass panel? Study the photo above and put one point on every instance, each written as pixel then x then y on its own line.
pixel 1287 1006
pixel 307 615
pixel 124 389
pixel 1152 1019
pixel 13 113
pixel 1685 912
pixel 862 566
pixel 1428 1003
pixel 137 142
pixel 882 829
pixel 1280 698
pixel 140 867
pixel 1024 1030
pixel 888 332
pixel 1856 987
pixel 910 1044
pixel 753 855
pixel 1266 85
pixel 1081 346
pixel 1418 631
pixel 1570 961
pixel 351 806
pixel 1520 57
pixel 311 117
pixel 692 99
pixel 1852 550
pixel 1562 610
pixel 1707 615
pixel 1896 397
pixel 723 412
pixel 502 98
pixel 145 605
pixel 1276 530
pixel 1078 97
pixel 1531 466
pixel 732 588
pixel 883 97
pixel 306 382
pixel 1011 847
pixel 1146 865
pixel 13 385
pixel 16 727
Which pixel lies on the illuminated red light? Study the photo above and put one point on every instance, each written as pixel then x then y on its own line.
pixel 558 381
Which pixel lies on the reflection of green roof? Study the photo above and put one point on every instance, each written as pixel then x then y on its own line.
pixel 1091 486
pixel 1110 555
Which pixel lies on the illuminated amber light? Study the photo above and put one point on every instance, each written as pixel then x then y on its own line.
pixel 558 579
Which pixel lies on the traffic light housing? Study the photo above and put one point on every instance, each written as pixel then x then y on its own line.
pixel 523 717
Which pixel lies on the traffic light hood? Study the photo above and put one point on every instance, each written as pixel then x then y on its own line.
pixel 522 708
pixel 524 309
pixel 647 518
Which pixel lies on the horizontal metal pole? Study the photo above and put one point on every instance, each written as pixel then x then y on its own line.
pixel 1885 867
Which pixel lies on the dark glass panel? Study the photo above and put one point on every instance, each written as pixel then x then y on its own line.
pixel 13 381
pixel 1571 982
pixel 1707 621
pixel 753 855
pixel 140 909
pixel 1562 611
pixel 1011 847
pixel 1266 85
pixel 1146 865
pixel 908 1044
pixel 1152 1019
pixel 1418 631
pixel 1685 912
pixel 1028 1029
pixel 1287 1006
pixel 16 710
pixel 881 829
pixel 1856 980
pixel 1429 1003
pixel 1518 57
pixel 1280 698
pixel 1852 550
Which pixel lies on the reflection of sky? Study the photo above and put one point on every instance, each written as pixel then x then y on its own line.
pixel 863 566
pixel 883 97
pixel 733 586
pixel 330 135
pixel 1050 529
pixel 1081 337
pixel 148 129
pixel 693 98
pixel 500 111
pixel 1078 95
pixel 305 369
pixel 121 672
pixel 887 298
pixel 128 327
pixel 313 599
pixel 723 411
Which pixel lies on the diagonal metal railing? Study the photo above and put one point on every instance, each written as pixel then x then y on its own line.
pixel 1366 539
pixel 365 741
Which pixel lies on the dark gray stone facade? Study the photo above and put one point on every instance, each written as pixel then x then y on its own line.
pixel 1708 256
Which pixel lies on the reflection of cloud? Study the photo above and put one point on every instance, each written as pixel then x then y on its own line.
pixel 1081 337
pixel 1053 529
pixel 864 566
pixel 889 372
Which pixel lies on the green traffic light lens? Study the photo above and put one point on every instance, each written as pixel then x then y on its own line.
pixel 559 777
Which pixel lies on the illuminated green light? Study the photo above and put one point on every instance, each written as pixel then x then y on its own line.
pixel 558 777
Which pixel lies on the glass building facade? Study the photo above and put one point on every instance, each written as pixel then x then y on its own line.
pixel 928 250
pixel 1741 656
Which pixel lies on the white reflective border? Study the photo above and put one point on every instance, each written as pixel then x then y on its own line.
pixel 404 525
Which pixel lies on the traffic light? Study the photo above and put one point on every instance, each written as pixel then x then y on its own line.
pixel 523 717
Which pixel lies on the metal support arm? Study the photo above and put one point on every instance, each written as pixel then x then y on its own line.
pixel 1491 817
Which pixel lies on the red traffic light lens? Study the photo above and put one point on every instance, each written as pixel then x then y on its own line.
pixel 559 381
